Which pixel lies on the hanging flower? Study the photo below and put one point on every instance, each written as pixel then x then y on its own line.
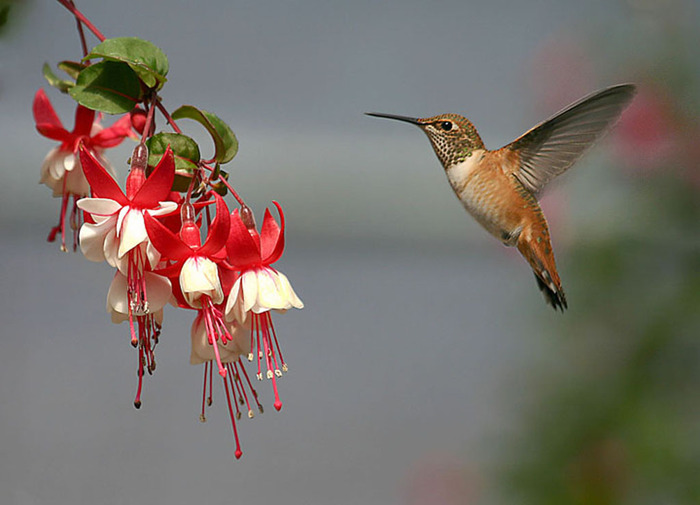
pixel 259 288
pixel 61 170
pixel 118 235
pixel 193 264
pixel 145 326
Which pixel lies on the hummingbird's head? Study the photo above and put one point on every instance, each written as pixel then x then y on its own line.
pixel 452 136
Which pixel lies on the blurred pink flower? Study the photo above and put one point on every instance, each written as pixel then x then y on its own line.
pixel 647 135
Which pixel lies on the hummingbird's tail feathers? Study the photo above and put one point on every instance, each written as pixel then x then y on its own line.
pixel 553 295
pixel 538 254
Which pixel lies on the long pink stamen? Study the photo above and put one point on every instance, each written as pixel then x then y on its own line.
pixel 250 385
pixel 62 219
pixel 234 389
pixel 211 332
pixel 277 344
pixel 202 417
pixel 137 400
pixel 75 222
pixel 238 453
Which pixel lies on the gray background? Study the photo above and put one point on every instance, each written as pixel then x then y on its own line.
pixel 407 361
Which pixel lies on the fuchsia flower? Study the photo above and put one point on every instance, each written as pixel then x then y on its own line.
pixel 119 237
pixel 61 170
pixel 197 285
pixel 260 288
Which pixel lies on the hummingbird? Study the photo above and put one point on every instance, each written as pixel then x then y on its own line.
pixel 500 188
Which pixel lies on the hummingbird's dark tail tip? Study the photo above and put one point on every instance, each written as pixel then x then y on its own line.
pixel 553 296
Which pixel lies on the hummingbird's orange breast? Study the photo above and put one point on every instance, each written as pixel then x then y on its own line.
pixel 487 189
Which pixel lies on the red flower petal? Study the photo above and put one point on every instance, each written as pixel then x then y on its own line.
pixel 243 250
pixel 84 118
pixel 113 136
pixel 54 132
pixel 219 229
pixel 101 182
pixel 272 236
pixel 44 112
pixel 165 241
pixel 157 186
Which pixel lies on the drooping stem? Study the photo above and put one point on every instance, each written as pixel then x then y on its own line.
pixel 165 113
pixel 81 33
pixel 230 188
pixel 149 119
pixel 68 4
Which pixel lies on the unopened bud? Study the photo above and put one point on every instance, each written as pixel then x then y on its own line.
pixel 247 217
pixel 139 157
pixel 187 213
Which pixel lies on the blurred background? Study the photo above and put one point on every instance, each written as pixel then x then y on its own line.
pixel 426 367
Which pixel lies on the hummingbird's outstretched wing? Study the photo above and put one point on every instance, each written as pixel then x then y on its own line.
pixel 554 145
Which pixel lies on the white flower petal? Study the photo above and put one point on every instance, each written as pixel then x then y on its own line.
pixel 92 237
pixel 286 288
pixel 110 248
pixel 99 206
pixel 132 231
pixel 269 296
pixel 200 276
pixel 152 254
pixel 158 291
pixel 232 299
pixel 249 293
pixel 117 300
pixel 69 162
pixel 163 208
pixel 76 183
pixel 202 351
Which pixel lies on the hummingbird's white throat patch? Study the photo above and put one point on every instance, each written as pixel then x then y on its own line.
pixel 459 174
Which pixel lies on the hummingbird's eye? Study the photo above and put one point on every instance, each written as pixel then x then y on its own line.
pixel 446 125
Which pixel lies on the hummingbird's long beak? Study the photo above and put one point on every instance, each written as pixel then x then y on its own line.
pixel 405 119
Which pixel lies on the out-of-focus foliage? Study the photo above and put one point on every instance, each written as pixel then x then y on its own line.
pixel 619 421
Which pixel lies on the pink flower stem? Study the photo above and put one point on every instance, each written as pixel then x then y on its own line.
pixel 149 119
pixel 81 33
pixel 230 188
pixel 68 4
pixel 166 114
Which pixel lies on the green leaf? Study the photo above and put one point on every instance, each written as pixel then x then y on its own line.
pixel 72 68
pixel 146 59
pixel 61 84
pixel 219 186
pixel 225 142
pixel 108 86
pixel 185 149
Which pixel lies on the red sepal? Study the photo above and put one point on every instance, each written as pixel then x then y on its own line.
pixel 84 118
pixel 165 241
pixel 272 236
pixel 218 231
pixel 241 247
pixel 157 186
pixel 115 134
pixel 44 113
pixel 100 181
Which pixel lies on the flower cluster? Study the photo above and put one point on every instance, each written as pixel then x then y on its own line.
pixel 169 234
